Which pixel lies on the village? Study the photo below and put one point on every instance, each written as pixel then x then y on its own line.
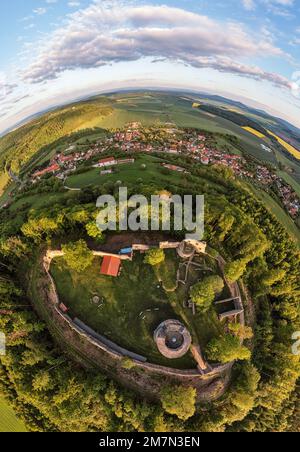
pixel 193 144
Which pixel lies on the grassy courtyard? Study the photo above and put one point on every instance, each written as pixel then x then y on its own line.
pixel 134 304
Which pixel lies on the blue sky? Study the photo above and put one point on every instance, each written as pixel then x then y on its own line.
pixel 53 51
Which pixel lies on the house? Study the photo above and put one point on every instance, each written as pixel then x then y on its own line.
pixel 66 158
pixel 110 266
pixel 108 161
pixel 125 161
pixel 205 160
pixel 51 169
pixel 170 167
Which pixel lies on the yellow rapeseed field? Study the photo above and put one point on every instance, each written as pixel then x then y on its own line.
pixel 287 146
pixel 254 132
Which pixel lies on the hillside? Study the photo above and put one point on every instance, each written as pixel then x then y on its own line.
pixel 17 147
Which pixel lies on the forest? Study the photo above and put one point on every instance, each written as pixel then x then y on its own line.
pixel 52 391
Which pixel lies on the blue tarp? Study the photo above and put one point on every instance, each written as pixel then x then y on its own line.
pixel 126 251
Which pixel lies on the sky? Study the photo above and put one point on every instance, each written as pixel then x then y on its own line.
pixel 54 51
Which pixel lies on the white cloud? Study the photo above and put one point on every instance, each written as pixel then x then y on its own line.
pixel 6 88
pixel 280 8
pixel 39 11
pixel 105 33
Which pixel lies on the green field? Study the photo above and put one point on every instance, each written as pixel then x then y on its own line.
pixel 36 201
pixel 8 420
pixel 163 108
pixel 125 173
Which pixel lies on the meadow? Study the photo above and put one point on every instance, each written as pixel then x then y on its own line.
pixel 125 173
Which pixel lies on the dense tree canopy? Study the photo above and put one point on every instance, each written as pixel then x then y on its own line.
pixel 154 257
pixel 179 400
pixel 226 349
pixel 203 293
pixel 77 255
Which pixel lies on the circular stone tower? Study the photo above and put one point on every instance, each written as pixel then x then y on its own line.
pixel 172 338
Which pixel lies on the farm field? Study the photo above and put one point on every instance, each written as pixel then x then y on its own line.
pixel 254 132
pixel 291 149
pixel 8 420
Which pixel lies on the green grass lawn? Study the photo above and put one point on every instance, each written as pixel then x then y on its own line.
pixel 128 173
pixel 8 419
pixel 134 305
pixel 37 201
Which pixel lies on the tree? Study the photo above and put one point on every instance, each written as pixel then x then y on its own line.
pixel 179 400
pixel 37 228
pixel 93 231
pixel 227 348
pixel 240 331
pixel 204 292
pixel 42 381
pixel 77 255
pixel 273 276
pixel 13 246
pixel 154 257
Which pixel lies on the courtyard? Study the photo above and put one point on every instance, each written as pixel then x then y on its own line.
pixel 127 309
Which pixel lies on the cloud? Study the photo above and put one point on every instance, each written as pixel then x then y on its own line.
pixel 6 89
pixel 107 33
pixel 40 11
pixel 73 4
pixel 280 8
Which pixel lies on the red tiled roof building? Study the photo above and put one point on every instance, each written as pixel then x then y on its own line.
pixel 110 266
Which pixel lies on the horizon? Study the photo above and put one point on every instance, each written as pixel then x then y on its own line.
pixel 174 91
pixel 55 51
